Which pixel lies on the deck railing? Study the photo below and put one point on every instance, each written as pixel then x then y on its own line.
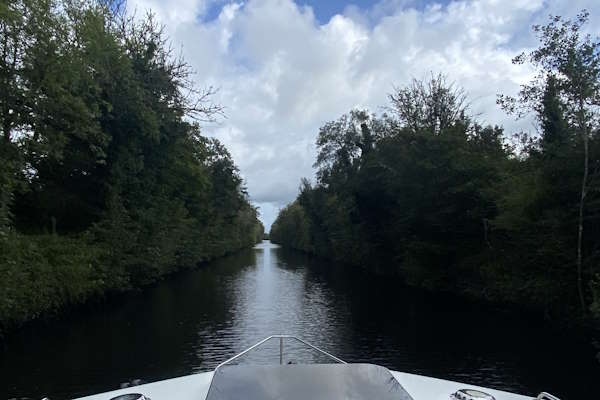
pixel 281 338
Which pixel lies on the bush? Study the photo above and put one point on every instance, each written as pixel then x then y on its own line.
pixel 41 274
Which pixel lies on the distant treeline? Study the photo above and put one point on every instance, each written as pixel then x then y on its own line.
pixel 427 192
pixel 105 180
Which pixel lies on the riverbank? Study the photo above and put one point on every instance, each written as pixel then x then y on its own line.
pixel 473 294
pixel 44 276
pixel 497 293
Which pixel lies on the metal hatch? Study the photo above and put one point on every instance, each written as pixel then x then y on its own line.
pixel 339 381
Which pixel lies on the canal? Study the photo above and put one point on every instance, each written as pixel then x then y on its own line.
pixel 192 321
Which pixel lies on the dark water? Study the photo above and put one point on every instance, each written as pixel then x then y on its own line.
pixel 192 321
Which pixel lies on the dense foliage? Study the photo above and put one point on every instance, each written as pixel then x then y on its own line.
pixel 105 180
pixel 426 192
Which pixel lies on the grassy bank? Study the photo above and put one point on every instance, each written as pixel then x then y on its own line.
pixel 47 275
pixel 43 274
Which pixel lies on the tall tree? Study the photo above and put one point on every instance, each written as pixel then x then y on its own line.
pixel 342 143
pixel 555 131
pixel 431 105
pixel 568 64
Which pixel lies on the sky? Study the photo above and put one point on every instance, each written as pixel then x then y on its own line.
pixel 283 68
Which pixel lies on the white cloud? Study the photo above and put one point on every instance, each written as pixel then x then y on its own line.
pixel 282 75
pixel 179 11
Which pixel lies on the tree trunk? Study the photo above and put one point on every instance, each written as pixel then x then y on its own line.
pixel 486 228
pixel 53 222
pixel 6 130
pixel 580 221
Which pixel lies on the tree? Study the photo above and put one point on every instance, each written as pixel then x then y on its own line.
pixel 568 65
pixel 342 142
pixel 431 105
pixel 555 131
pixel 102 152
pixel 17 21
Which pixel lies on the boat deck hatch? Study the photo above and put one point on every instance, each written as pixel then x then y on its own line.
pixel 301 382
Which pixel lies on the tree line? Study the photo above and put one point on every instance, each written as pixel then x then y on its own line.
pixel 106 182
pixel 427 192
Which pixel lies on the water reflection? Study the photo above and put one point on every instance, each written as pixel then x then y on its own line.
pixel 195 320
pixel 271 297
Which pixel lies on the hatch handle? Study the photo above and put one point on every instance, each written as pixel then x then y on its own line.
pixel 546 396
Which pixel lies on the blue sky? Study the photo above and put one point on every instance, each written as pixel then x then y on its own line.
pixel 283 71
pixel 324 10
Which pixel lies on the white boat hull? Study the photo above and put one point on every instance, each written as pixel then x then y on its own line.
pixel 195 387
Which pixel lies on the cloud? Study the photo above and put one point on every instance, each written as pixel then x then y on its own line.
pixel 180 11
pixel 282 73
